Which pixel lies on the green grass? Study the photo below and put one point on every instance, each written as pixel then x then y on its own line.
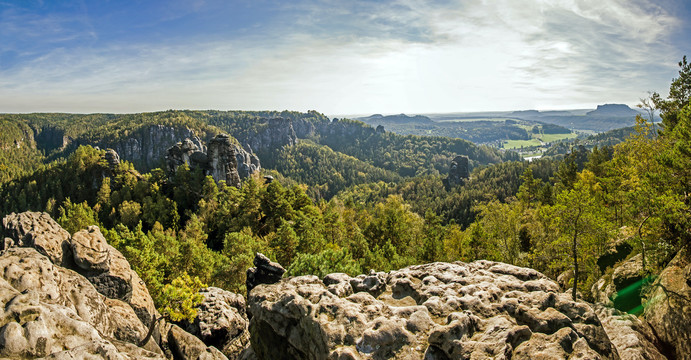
pixel 516 144
pixel 557 137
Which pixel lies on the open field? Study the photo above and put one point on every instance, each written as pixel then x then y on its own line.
pixel 556 137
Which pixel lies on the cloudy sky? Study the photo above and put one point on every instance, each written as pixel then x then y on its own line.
pixel 337 56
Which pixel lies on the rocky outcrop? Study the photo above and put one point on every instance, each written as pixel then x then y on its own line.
pixel 622 289
pixel 65 297
pixel 224 161
pixel 434 311
pixel 264 271
pixel 112 159
pixel 271 135
pixel 459 172
pixel 668 306
pixel 146 147
pixel 222 322
pixel 39 231
pixel 633 338
pixel 223 164
pixel 52 311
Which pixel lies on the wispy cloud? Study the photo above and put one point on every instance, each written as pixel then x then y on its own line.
pixel 350 56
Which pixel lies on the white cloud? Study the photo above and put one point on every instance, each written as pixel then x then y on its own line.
pixel 363 56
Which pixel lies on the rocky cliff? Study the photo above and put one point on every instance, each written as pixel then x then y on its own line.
pixel 224 160
pixel 146 147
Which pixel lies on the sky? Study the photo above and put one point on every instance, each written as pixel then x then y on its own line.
pixel 337 56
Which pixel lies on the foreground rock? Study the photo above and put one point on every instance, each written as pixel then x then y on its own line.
pixel 67 297
pixel 434 311
pixel 50 310
pixel 633 338
pixel 668 307
pixel 222 322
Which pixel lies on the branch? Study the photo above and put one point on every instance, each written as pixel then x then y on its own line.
pixel 154 321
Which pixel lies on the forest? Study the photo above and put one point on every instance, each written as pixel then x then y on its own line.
pixel 373 202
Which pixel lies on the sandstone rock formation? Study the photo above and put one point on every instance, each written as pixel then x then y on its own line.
pixel 66 297
pixel 222 322
pixel 668 307
pixel 274 134
pixel 633 338
pixel 459 172
pixel 434 311
pixel 264 271
pixel 224 160
pixel 147 146
pixel 52 311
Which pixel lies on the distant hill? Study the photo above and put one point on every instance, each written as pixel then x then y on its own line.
pixel 606 117
pixel 613 110
pixel 379 119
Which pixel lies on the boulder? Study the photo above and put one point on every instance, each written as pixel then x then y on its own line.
pixel 264 271
pixel 110 273
pixel 51 311
pixel 668 307
pixel 435 311
pixel 222 321
pixel 39 231
pixel 187 346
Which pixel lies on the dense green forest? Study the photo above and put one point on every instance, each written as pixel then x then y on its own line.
pixel 375 201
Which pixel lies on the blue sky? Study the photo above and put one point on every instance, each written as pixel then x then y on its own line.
pixel 337 56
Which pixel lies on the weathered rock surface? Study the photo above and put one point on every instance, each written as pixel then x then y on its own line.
pixel 622 289
pixel 459 172
pixel 224 160
pixel 147 146
pixel 668 307
pixel 222 322
pixel 40 231
pixel 264 271
pixel 48 310
pixel 187 346
pixel 108 270
pixel 274 134
pixel 81 300
pixel 633 338
pixel 434 311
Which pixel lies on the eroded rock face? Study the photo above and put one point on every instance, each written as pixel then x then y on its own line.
pixel 147 146
pixel 224 160
pixel 39 231
pixel 264 271
pixel 222 321
pixel 84 302
pixel 668 307
pixel 52 311
pixel 633 338
pixel 434 311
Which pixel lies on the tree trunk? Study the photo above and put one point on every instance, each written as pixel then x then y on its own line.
pixel 574 248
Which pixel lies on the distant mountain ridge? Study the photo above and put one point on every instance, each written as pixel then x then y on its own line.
pixel 379 119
